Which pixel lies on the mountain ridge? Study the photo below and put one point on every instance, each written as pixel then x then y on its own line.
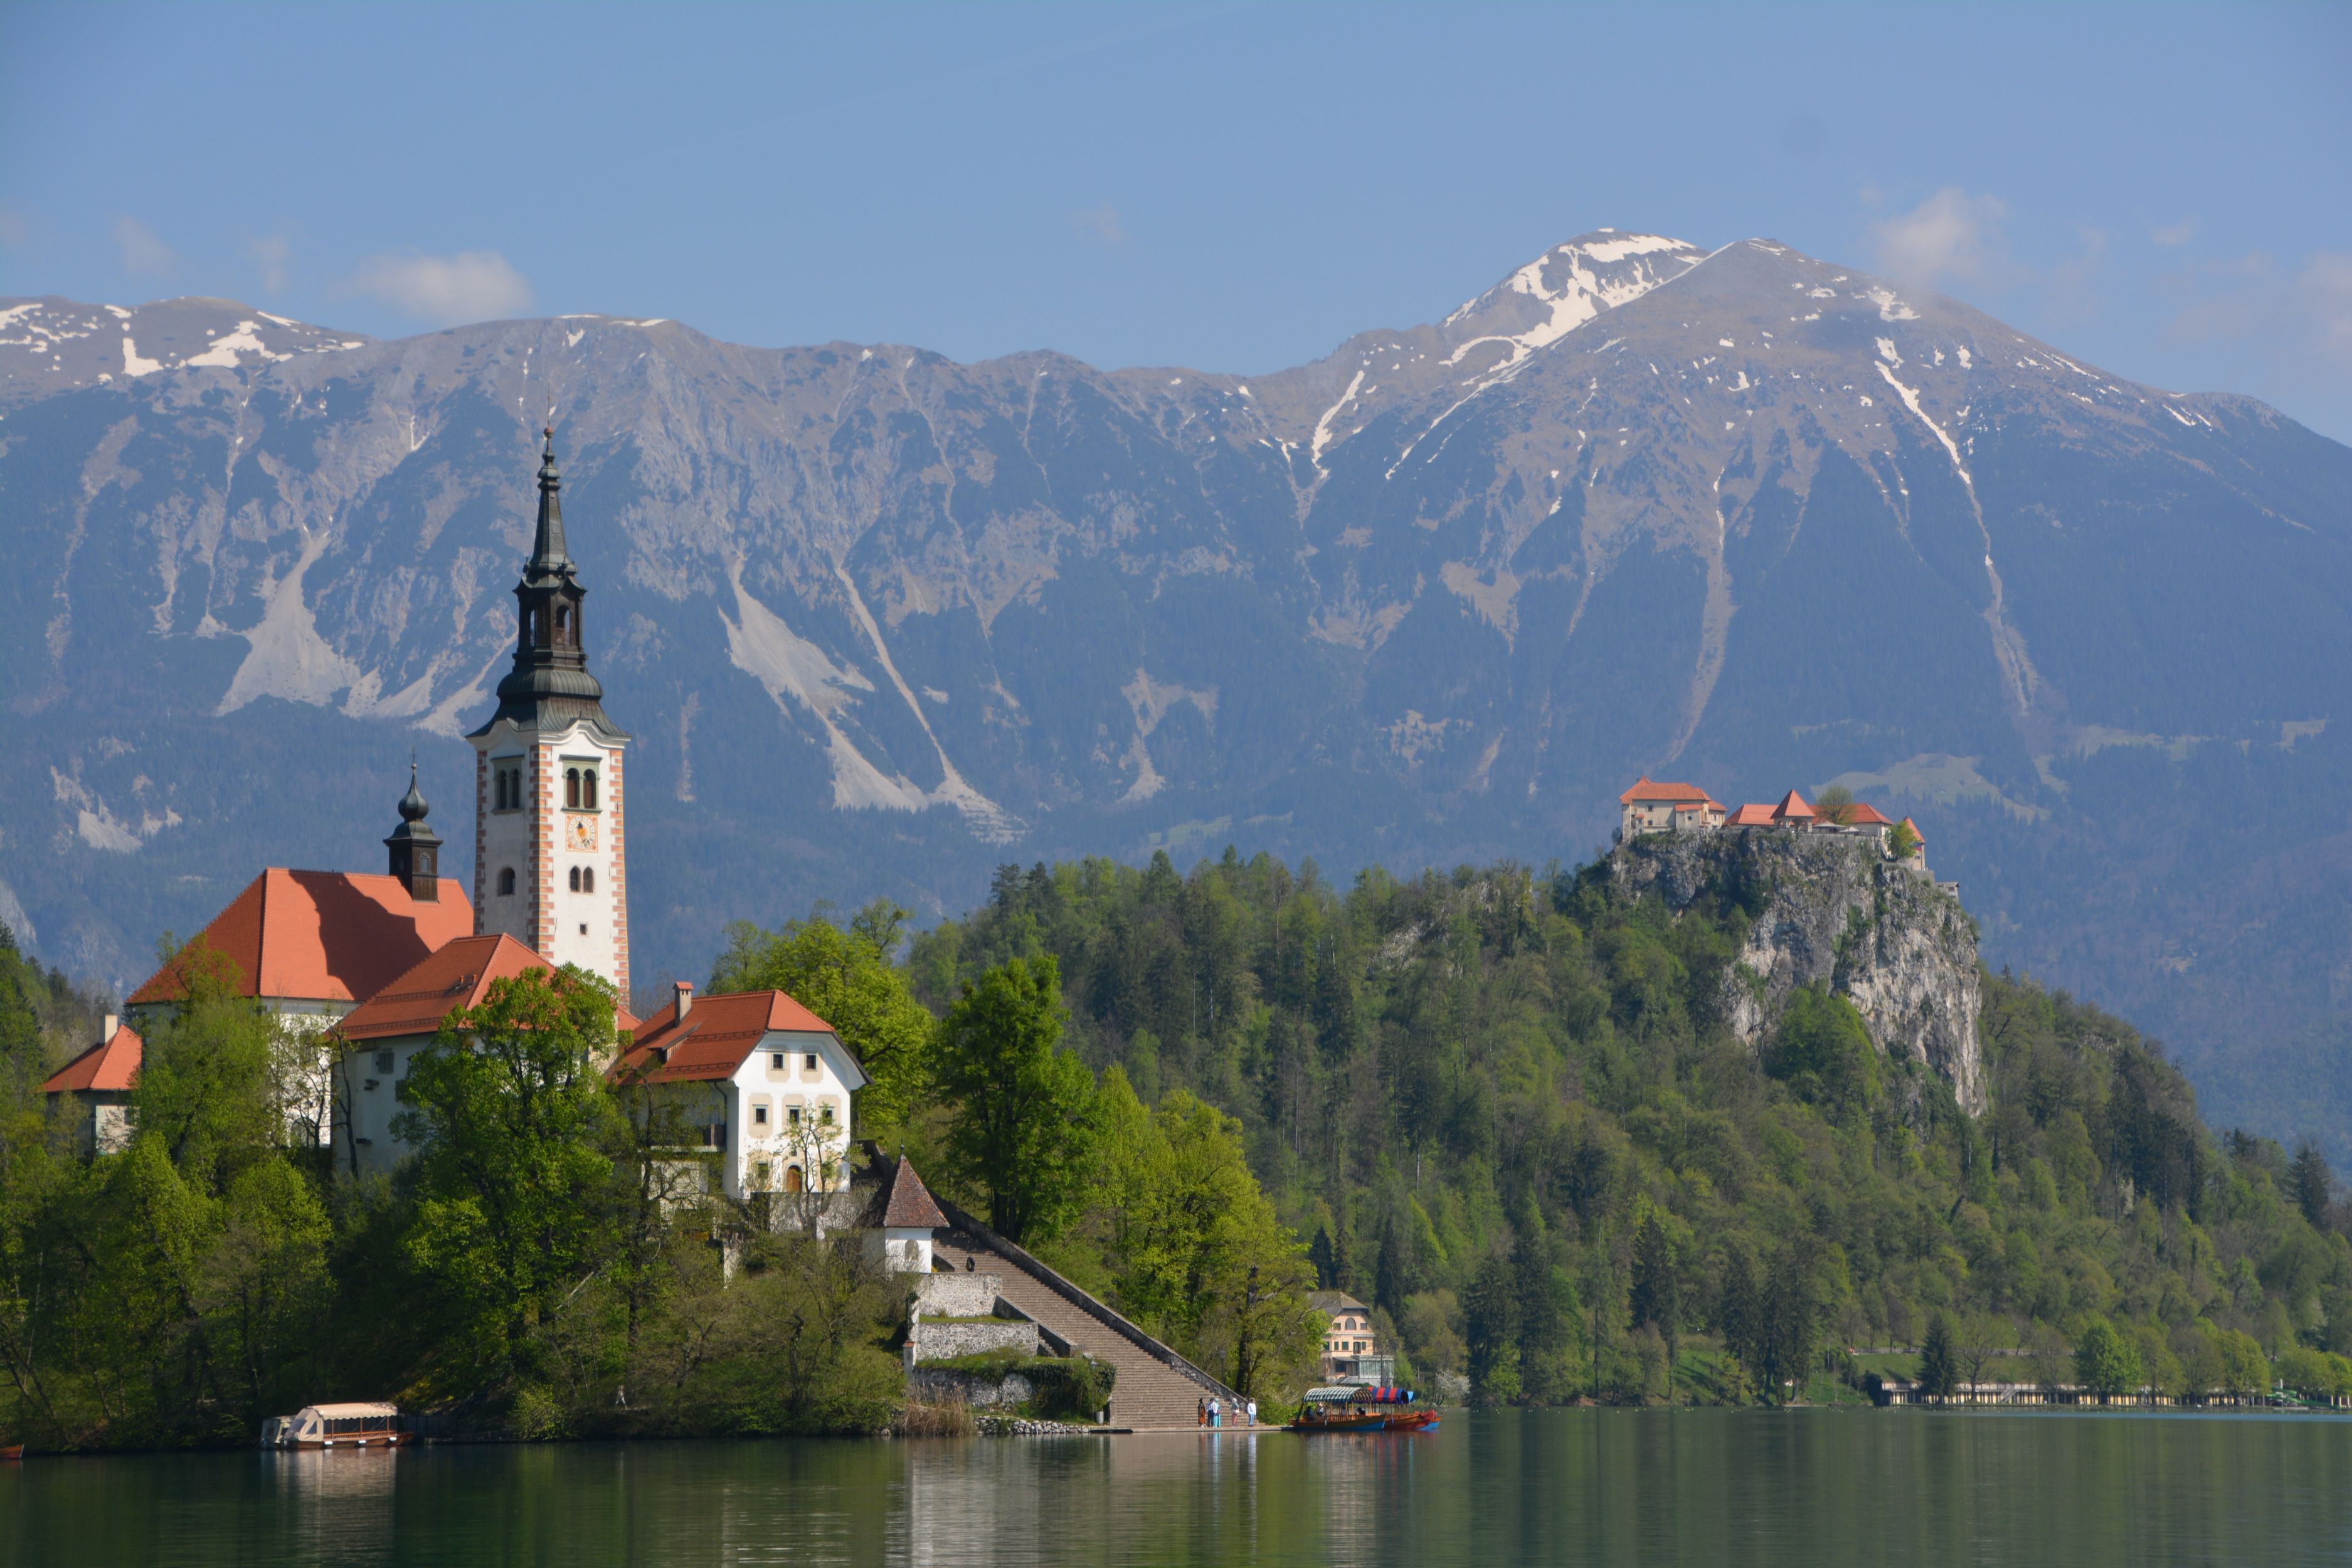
pixel 881 619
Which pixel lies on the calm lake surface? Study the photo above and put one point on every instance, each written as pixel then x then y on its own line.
pixel 1816 1486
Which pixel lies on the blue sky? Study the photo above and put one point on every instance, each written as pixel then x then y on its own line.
pixel 2165 191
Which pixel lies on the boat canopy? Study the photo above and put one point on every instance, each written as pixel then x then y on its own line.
pixel 1358 1394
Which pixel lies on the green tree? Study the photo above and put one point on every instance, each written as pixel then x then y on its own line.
pixel 2310 1185
pixel 1939 1376
pixel 207 1082
pixel 1191 1245
pixel 1021 1135
pixel 1834 801
pixel 1903 842
pixel 847 978
pixel 2104 1362
pixel 1655 1297
pixel 509 1115
pixel 261 1282
pixel 1822 1051
pixel 1490 1310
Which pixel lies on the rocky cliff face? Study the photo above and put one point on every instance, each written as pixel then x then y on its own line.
pixel 1830 910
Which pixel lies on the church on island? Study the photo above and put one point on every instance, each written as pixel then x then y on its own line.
pixel 370 965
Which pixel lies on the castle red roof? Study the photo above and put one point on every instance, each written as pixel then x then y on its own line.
pixel 717 1036
pixel 331 936
pixel 1915 830
pixel 1750 815
pixel 1792 808
pixel 1862 814
pixel 112 1063
pixel 1644 790
pixel 457 975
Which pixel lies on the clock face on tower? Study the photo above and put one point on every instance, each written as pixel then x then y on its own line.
pixel 580 832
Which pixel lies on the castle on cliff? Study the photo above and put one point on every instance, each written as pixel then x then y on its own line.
pixel 1652 807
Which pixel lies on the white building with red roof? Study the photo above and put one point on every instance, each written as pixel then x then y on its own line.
pixel 1652 807
pixel 101 1080
pixel 377 1040
pixel 764 1082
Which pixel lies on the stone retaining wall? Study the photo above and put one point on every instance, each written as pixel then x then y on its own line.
pixel 945 1340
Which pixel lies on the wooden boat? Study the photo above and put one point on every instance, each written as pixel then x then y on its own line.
pixel 337 1426
pixel 11 1453
pixel 1347 1407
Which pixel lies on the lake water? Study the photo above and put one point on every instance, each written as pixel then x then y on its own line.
pixel 1711 1486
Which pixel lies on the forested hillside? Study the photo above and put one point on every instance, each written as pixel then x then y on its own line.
pixel 1505 1107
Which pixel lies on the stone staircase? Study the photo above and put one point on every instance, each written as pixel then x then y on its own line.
pixel 1156 1389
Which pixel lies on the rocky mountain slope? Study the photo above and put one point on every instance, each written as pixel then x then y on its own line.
pixel 880 620
pixel 1832 911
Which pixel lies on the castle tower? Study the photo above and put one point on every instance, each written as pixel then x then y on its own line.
pixel 551 851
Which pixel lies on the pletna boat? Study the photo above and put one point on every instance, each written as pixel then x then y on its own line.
pixel 337 1426
pixel 1349 1407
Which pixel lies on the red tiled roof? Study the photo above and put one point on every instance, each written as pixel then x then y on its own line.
pixel 1915 830
pixel 1644 790
pixel 911 1203
pixel 457 975
pixel 1750 815
pixel 112 1063
pixel 334 936
pixel 1792 808
pixel 1862 814
pixel 719 1035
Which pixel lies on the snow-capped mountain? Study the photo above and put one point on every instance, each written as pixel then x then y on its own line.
pixel 880 620
pixel 51 345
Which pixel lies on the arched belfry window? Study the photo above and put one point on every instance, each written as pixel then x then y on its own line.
pixel 575 879
pixel 563 625
pixel 588 788
pixel 506 881
pixel 587 879
pixel 571 788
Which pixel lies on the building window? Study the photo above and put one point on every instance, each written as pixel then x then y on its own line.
pixel 759 1115
pixel 825 1113
pixel 506 785
pixel 383 1063
pixel 759 1173
pixel 776 1061
pixel 575 879
pixel 792 1115
pixel 580 787
pixel 562 626
pixel 808 1062
pixel 506 881
pixel 583 879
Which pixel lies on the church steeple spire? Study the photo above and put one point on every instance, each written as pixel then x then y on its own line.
pixel 550 686
pixel 549 557
pixel 416 848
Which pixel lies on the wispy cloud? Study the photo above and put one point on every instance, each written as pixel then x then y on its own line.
pixel 2300 316
pixel 2170 235
pixel 1100 224
pixel 471 286
pixel 272 255
pixel 144 255
pixel 1951 238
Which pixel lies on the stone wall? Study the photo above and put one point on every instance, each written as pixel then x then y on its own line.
pixel 937 1385
pixel 942 1340
pixel 959 1295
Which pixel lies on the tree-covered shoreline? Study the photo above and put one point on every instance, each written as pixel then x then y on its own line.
pixel 1502 1106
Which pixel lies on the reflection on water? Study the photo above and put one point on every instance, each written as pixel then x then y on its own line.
pixel 1555 1487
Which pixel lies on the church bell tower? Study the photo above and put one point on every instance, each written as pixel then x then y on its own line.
pixel 551 851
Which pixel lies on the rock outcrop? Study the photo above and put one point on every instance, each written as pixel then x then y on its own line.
pixel 1830 909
